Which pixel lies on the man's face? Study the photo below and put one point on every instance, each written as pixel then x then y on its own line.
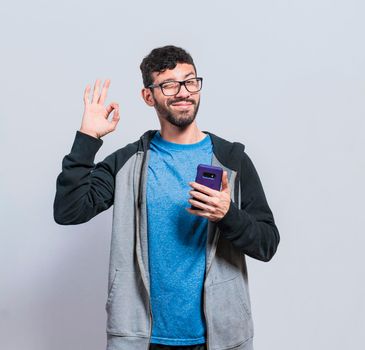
pixel 180 109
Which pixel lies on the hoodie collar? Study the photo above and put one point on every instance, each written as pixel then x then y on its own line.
pixel 228 153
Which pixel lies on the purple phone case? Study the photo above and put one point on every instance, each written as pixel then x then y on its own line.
pixel 210 176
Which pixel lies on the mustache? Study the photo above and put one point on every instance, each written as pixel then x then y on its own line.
pixel 182 100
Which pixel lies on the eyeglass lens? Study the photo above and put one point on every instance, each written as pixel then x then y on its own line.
pixel 173 87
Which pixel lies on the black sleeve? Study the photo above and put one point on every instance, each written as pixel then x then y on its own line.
pixel 252 228
pixel 83 189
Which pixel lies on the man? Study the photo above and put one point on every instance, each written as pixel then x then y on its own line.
pixel 177 275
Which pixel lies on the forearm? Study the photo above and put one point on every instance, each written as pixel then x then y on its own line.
pixel 255 237
pixel 82 189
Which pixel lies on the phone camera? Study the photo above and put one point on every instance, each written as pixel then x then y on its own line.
pixel 209 175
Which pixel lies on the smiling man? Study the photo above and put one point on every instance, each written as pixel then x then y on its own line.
pixel 181 108
pixel 177 275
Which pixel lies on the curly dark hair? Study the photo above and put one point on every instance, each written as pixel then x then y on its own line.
pixel 162 58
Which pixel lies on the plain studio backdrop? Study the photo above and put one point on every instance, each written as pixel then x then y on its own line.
pixel 285 78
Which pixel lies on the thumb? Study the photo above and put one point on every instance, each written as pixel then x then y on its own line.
pixel 225 185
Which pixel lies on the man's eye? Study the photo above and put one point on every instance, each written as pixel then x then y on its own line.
pixel 171 85
pixel 192 82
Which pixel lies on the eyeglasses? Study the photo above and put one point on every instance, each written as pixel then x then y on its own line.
pixel 170 88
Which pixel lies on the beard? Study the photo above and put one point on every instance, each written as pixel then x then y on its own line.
pixel 180 119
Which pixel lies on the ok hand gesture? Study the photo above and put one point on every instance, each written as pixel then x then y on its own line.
pixel 95 119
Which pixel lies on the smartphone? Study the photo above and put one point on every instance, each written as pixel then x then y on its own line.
pixel 210 176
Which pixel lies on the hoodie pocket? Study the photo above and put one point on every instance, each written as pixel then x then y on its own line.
pixel 244 299
pixel 229 316
pixel 126 306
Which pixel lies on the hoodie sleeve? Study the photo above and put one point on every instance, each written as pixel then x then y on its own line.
pixel 252 228
pixel 83 189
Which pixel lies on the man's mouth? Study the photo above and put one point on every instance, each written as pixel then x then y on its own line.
pixel 182 103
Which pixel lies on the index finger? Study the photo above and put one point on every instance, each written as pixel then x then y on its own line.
pixel 205 189
pixel 104 91
pixel 86 94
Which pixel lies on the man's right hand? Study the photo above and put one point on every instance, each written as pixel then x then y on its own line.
pixel 95 119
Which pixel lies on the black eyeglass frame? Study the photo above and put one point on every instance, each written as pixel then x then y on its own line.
pixel 183 82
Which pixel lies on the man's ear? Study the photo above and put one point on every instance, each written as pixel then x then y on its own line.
pixel 148 96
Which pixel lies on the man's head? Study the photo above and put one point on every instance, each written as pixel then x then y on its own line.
pixel 174 102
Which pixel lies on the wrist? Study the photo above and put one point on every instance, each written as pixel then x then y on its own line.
pixel 90 133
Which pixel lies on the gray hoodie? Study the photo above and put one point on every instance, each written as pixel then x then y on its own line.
pixel 248 228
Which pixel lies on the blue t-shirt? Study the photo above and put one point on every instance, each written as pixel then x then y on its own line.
pixel 177 241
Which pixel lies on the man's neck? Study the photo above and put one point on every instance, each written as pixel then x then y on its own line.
pixel 190 134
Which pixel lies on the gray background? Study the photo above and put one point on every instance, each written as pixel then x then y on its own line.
pixel 286 78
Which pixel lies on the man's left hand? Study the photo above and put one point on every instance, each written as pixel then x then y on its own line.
pixel 211 204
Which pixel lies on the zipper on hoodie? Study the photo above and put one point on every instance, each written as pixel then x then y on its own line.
pixel 144 149
pixel 206 320
pixel 150 314
pixel 214 244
